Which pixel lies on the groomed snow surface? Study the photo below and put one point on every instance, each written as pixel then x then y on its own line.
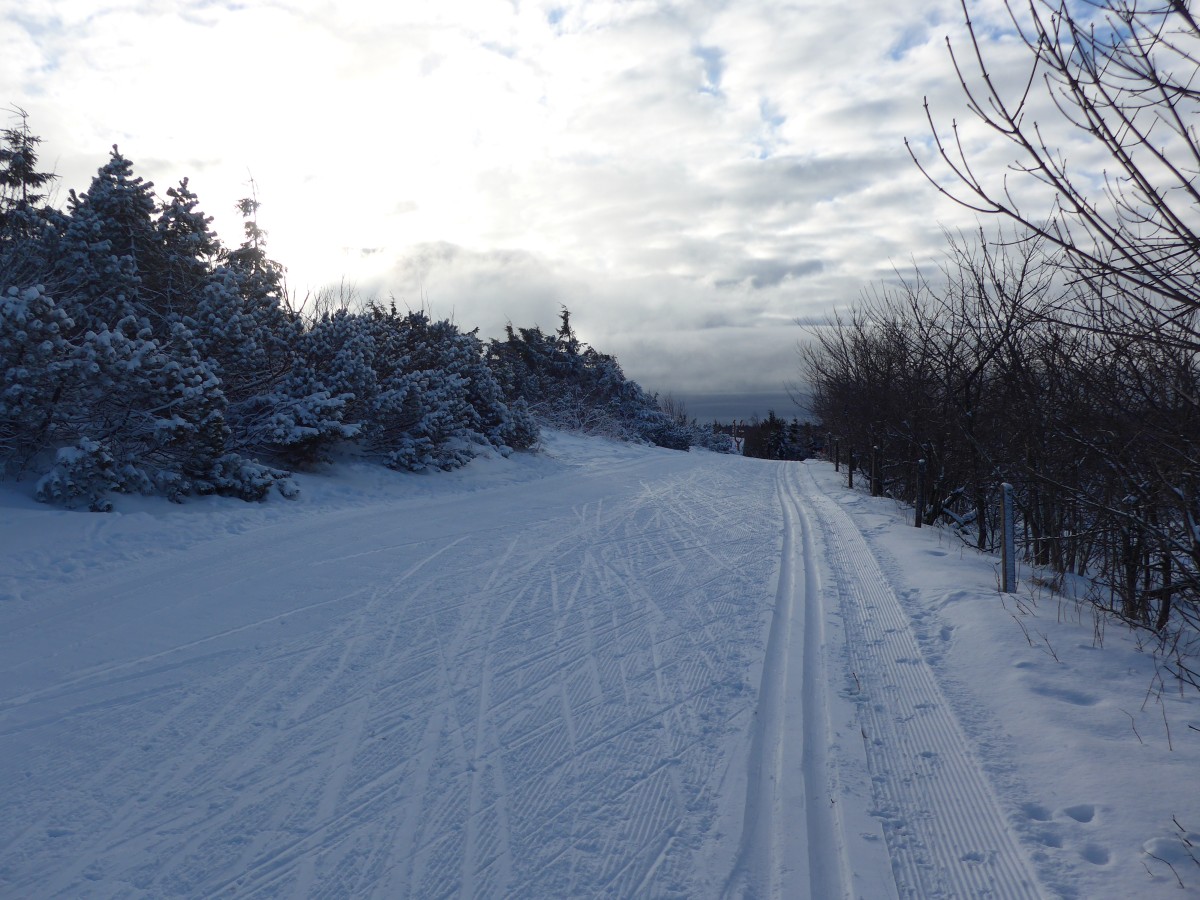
pixel 602 670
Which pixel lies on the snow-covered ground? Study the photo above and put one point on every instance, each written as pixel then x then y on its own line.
pixel 601 670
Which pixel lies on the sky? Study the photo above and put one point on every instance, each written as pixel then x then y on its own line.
pixel 689 177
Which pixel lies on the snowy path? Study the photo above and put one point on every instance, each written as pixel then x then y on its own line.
pixel 792 842
pixel 645 674
pixel 946 832
pixel 536 691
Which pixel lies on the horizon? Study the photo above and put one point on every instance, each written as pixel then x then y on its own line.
pixel 725 408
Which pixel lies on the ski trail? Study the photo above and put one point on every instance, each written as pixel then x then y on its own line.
pixel 828 862
pixel 422 703
pixel 945 829
pixel 792 842
pixel 756 868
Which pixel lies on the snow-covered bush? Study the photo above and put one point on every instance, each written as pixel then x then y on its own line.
pixel 235 476
pixel 519 430
pixel 422 391
pixel 35 361
pixel 84 473
pixel 278 406
pixel 570 385
pixel 140 355
pixel 709 438
pixel 421 422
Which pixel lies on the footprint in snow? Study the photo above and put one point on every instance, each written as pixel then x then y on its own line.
pixel 1036 811
pixel 1050 838
pixel 1082 813
pixel 1095 854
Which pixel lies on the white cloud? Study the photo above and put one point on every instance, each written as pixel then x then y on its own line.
pixel 687 176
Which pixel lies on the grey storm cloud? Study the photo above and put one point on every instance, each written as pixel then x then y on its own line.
pixel 763 273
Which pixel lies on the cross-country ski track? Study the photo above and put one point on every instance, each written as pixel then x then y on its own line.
pixel 602 672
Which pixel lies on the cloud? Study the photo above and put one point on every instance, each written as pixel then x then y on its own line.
pixel 762 273
pixel 687 175
pixel 488 288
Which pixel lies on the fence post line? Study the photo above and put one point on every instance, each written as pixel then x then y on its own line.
pixel 919 506
pixel 1008 546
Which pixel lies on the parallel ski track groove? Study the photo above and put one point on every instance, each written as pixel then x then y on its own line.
pixel 794 652
pixel 828 867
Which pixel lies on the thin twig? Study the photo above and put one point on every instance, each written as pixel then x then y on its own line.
pixel 1169 866
pixel 1134 727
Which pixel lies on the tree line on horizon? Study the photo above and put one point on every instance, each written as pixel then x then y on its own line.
pixel 142 355
pixel 1058 354
pixel 776 438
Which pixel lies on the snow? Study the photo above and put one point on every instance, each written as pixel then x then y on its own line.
pixel 598 670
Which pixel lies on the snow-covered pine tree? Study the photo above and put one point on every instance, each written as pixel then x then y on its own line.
pixel 423 418
pixel 21 184
pixel 138 406
pixel 36 362
pixel 29 230
pixel 188 248
pixel 96 286
pixel 441 345
pixel 421 389
pixel 279 407
pixel 118 208
pixel 34 347
pixel 340 348
pixel 135 416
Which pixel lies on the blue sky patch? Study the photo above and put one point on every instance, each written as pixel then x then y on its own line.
pixel 713 60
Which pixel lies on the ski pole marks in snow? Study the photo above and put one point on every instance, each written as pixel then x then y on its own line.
pixel 945 830
pixel 544 690
pixel 428 705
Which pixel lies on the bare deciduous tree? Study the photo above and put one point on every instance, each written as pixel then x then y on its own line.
pixel 1124 74
pixel 1121 345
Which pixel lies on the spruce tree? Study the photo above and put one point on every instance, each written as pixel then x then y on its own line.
pixel 188 250
pixel 21 183
pixel 122 207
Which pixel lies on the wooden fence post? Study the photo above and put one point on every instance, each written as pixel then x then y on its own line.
pixel 850 467
pixel 837 455
pixel 876 473
pixel 919 506
pixel 1008 544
